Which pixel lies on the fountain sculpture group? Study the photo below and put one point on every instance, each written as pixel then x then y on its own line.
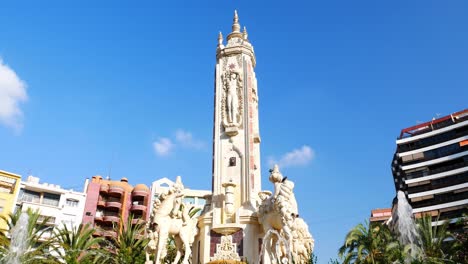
pixel 286 235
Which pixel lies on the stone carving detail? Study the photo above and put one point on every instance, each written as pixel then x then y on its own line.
pixel 170 217
pixel 287 236
pixel 235 42
pixel 232 100
pixel 226 250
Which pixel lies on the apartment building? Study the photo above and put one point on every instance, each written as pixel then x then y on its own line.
pixel 431 166
pixel 109 204
pixel 58 205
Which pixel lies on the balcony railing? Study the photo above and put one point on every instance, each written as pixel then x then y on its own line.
pixel 110 234
pixel 138 207
pixel 116 190
pixel 433 154
pixel 441 199
pixel 439 169
pixel 440 183
pixel 111 218
pixel 117 205
pixel 104 188
pixel 98 232
pixel 101 203
pixel 140 193
pixel 434 124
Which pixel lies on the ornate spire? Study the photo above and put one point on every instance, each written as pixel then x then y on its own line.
pixel 245 35
pixel 235 23
pixel 236 29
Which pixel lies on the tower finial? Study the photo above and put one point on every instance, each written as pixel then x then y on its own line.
pixel 235 24
pixel 220 40
pixel 245 35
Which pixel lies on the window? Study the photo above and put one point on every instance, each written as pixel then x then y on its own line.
pixel 30 196
pixel 7 185
pixel 51 199
pixel 232 161
pixel 72 202
pixel 46 219
pixel 99 213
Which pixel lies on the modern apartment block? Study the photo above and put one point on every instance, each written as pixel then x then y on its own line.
pixel 431 166
pixel 109 204
pixel 59 205
pixel 198 198
pixel 9 188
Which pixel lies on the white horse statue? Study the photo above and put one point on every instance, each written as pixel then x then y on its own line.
pixel 171 218
pixel 287 236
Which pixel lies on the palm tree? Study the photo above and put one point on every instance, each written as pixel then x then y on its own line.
pixel 129 245
pixel 75 245
pixel 366 244
pixel 438 243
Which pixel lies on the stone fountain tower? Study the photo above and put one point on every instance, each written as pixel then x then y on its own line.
pixel 229 228
pixel 240 223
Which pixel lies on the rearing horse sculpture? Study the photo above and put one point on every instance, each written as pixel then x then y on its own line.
pixel 170 217
pixel 286 235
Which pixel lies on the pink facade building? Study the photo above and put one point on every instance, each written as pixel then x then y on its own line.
pixel 110 203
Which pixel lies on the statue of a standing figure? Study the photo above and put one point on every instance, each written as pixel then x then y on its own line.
pixel 232 97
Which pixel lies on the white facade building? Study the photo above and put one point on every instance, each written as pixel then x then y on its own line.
pixel 61 206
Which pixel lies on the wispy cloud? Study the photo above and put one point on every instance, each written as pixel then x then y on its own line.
pixel 12 93
pixel 163 146
pixel 186 139
pixel 295 158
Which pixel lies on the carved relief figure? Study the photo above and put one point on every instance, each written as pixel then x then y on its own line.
pixel 232 100
pixel 231 104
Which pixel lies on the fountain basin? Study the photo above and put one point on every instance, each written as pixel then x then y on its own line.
pixel 226 229
pixel 226 261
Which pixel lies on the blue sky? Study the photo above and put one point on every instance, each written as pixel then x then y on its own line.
pixel 88 88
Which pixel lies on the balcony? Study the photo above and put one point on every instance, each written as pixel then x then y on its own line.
pixel 138 207
pixel 140 193
pixel 110 234
pixel 138 221
pixel 104 188
pixel 46 220
pixel 116 190
pixel 98 218
pixel 116 205
pixel 101 203
pixel 111 218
